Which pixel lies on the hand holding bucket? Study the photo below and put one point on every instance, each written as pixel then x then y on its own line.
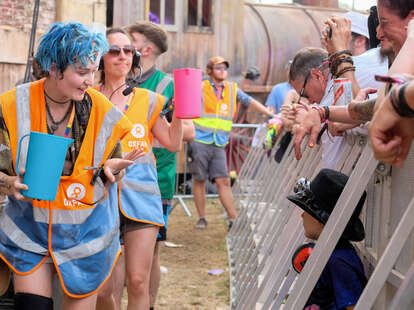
pixel 45 158
pixel 187 93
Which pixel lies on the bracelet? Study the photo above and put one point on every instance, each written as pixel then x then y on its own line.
pixel 326 108
pixel 400 104
pixel 271 115
pixel 343 71
pixel 335 61
pixel 341 53
pixel 321 112
pixel 116 173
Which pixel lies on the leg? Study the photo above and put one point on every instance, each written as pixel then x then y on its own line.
pixel 34 291
pixel 155 276
pixel 119 281
pixel 108 295
pixel 39 282
pixel 199 191
pixel 139 251
pixel 226 196
pixel 218 171
pixel 87 303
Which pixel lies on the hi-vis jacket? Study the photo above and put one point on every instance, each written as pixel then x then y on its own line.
pixel 139 195
pixel 214 125
pixel 81 238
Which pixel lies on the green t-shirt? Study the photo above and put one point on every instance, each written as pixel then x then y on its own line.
pixel 166 160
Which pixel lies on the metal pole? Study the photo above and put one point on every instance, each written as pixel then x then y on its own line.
pixel 32 40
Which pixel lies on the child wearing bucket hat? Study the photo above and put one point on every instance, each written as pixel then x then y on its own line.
pixel 342 280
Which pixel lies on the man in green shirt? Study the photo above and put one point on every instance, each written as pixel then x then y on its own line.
pixel 151 41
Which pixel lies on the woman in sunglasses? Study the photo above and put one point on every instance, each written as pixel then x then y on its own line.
pixel 75 236
pixel 139 196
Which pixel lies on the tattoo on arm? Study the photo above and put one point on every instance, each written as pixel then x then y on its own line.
pixel 362 111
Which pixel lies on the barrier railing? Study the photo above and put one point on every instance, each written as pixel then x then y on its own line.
pixel 269 229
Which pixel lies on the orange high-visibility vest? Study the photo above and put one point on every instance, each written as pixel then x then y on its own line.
pixel 78 234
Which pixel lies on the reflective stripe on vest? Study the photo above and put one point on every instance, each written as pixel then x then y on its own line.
pixel 140 197
pixel 162 85
pixel 217 115
pixel 23 112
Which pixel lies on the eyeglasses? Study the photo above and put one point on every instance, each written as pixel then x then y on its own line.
pixel 302 91
pixel 320 68
pixel 220 68
pixel 115 50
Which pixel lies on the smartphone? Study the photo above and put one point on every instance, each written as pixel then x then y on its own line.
pixel 389 79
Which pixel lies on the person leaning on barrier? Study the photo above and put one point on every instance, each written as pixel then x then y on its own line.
pixel 343 279
pixel 218 108
pixel 39 238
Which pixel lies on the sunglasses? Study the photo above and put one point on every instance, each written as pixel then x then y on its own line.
pixel 220 68
pixel 115 50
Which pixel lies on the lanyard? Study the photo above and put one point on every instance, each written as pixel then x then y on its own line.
pixel 70 123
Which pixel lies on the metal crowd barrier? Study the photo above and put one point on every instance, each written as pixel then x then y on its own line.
pixel 269 229
pixel 238 151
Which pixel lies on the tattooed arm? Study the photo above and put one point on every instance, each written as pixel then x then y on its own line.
pixel 362 111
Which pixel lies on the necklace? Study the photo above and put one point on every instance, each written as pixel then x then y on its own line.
pixel 55 124
pixel 51 99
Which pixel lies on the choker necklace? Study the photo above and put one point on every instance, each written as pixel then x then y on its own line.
pixel 55 124
pixel 51 99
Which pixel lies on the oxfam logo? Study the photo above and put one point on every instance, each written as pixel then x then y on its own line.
pixel 76 191
pixel 223 108
pixel 138 131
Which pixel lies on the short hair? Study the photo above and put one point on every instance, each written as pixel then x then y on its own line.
pixel 153 32
pixel 116 30
pixel 355 35
pixel 305 60
pixel 401 7
pixel 68 43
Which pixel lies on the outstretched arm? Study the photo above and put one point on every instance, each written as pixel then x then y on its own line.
pixel 256 105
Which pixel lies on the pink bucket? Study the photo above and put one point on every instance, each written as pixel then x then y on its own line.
pixel 187 93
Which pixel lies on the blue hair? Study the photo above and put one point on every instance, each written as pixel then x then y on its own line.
pixel 69 43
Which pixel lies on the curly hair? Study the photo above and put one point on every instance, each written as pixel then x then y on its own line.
pixel 69 43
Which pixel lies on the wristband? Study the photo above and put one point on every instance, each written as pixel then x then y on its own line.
pixel 271 115
pixel 400 104
pixel 321 112
pixel 326 108
pixel 116 173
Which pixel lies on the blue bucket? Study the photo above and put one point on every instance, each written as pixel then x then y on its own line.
pixel 45 159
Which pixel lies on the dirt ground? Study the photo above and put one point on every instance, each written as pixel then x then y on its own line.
pixel 187 284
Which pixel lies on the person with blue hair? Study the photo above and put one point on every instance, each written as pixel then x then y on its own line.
pixel 77 234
